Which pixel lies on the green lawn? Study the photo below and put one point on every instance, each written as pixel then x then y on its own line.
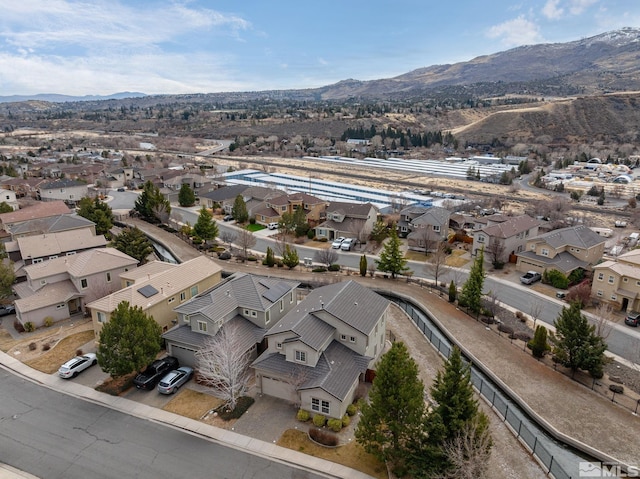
pixel 255 227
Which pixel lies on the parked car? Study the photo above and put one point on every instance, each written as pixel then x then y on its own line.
pixel 561 294
pixel 347 244
pixel 172 381
pixel 154 372
pixel 530 277
pixel 6 309
pixel 272 226
pixel 228 218
pixel 75 366
pixel 120 190
pixel 337 242
pixel 632 319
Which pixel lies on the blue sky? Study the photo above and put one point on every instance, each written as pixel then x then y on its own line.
pixel 195 46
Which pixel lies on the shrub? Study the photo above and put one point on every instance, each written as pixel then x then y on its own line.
pixel 303 416
pixel 48 321
pixel 453 292
pixel 323 437
pixel 319 269
pixel 539 345
pixel 32 346
pixel 352 409
pixel 252 220
pixel 29 327
pixel 116 386
pixel 319 420
pixel 252 258
pixel 46 347
pixel 17 325
pixel 224 255
pixel 79 352
pixel 324 239
pixel 346 420
pixel 242 405
pixel 335 424
pixel 505 329
pixel 334 267
pixel 519 315
pixel 557 279
pixel 311 234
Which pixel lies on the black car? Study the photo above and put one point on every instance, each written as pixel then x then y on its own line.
pixel 154 372
pixel 6 309
pixel 632 319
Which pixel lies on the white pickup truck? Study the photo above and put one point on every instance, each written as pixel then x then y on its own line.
pixel 530 277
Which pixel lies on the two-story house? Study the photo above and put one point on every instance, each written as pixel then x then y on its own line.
pixel 252 304
pixel 9 197
pixel 428 229
pixel 347 219
pixel 117 177
pixel 69 191
pixel 157 289
pixel 617 281
pixel 35 212
pixel 61 287
pixel 506 236
pixel 564 249
pixel 277 206
pixel 319 352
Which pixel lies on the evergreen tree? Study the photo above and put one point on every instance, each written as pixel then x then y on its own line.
pixel 7 278
pixel 239 210
pixel 363 265
pixel 301 225
pixel 97 211
pixel 5 208
pixel 132 241
pixel 150 202
pixel 206 227
pixel 290 257
pixel 186 197
pixel 453 292
pixel 379 232
pixel 270 259
pixel 391 259
pixel 471 294
pixel 538 344
pixel 128 341
pixel 576 344
pixel 394 414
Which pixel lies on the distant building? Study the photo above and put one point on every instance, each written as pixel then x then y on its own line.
pixel 69 191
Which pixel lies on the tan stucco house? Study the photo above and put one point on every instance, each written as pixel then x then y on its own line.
pixel 347 219
pixel 617 281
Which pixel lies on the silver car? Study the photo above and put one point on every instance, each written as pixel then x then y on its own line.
pixel 75 366
pixel 173 380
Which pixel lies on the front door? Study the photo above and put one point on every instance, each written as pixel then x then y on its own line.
pixel 625 304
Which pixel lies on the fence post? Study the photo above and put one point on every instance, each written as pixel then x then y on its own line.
pixel 550 464
pixel 535 443
pixel 519 427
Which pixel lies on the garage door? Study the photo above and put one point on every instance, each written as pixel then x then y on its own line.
pixel 276 388
pixel 185 356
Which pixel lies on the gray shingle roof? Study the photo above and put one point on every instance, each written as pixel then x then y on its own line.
pixel 349 209
pixel 511 227
pixel 52 224
pixel 564 261
pixel 225 193
pixel 580 236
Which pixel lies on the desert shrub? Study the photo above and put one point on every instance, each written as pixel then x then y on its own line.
pixel 346 420
pixel 32 346
pixel 29 327
pixel 17 325
pixel 224 255
pixel 303 416
pixel 48 321
pixel 324 437
pixel 116 386
pixel 252 258
pixel 299 240
pixel 505 329
pixel 242 405
pixel 335 424
pixel 46 347
pixel 280 264
pixel 319 269
pixel 519 315
pixel 79 352
pixel 334 267
pixel 323 240
pixel 352 409
pixel 319 420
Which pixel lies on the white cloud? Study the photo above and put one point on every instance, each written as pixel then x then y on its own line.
pixel 576 7
pixel 552 10
pixel 516 32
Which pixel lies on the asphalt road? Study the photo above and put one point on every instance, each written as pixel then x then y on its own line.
pixel 52 435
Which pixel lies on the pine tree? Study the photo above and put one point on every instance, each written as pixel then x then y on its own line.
pixel 391 259
pixel 186 197
pixel 363 265
pixel 395 411
pixel 453 291
pixel 205 227
pixel 97 211
pixel 5 207
pixel 150 202
pixel 471 294
pixel 132 241
pixel 239 210
pixel 538 344
pixel 576 344
pixel 269 260
pixel 290 257
pixel 128 341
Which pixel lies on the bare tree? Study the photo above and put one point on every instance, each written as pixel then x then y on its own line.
pixel 223 364
pixel 495 252
pixel 437 261
pixel 603 314
pixel 227 236
pixel 161 212
pixel 535 310
pixel 358 228
pixel 371 268
pixel 296 378
pixel 427 238
pixel 326 256
pixel 469 452
pixel 490 303
pixel 245 240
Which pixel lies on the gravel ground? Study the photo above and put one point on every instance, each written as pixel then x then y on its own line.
pixel 630 377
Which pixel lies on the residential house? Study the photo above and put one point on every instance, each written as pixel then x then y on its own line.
pixel 69 191
pixel 117 177
pixel 428 229
pixel 199 183
pixel 275 207
pixel 318 354
pixel 61 287
pixel 24 187
pixel 565 249
pixel 37 211
pixel 158 292
pixel 617 281
pixel 504 236
pixel 347 219
pixel 223 197
pixel 9 197
pixel 252 304
pixel 51 224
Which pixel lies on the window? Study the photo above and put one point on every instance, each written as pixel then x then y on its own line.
pixel 267 316
pixel 301 356
pixel 544 252
pixel 610 280
pixel 613 297
pixel 129 283
pixel 194 290
pixel 183 296
pixel 60 306
pixel 53 256
pixel 281 305
pixel 352 339
pixel 43 282
pixel 37 260
pixel 83 283
pixel 481 239
pixel 202 326
pixel 600 276
pixel 600 293
pixel 102 318
pixel 625 280
pixel 343 337
pixel 291 297
pixel 71 253
pixel 436 228
pixel 108 277
pixel 320 405
pixel 171 300
pixel 278 345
